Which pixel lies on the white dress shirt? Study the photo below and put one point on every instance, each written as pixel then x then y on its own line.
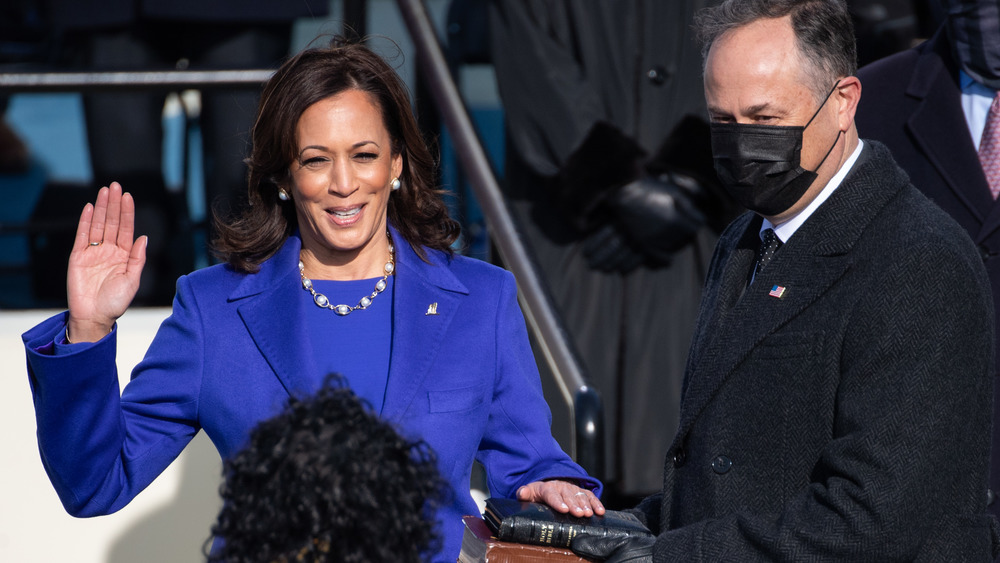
pixel 787 228
pixel 976 100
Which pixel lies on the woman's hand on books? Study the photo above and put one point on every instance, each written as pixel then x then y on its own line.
pixel 562 496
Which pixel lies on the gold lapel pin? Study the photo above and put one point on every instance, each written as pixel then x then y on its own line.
pixel 432 309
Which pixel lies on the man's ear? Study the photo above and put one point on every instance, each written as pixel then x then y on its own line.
pixel 847 96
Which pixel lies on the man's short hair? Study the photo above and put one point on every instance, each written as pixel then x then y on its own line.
pixel 328 480
pixel 823 28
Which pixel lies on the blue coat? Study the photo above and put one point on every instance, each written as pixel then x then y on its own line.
pixel 232 351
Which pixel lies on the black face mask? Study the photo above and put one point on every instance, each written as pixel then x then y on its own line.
pixel 759 165
pixel 974 31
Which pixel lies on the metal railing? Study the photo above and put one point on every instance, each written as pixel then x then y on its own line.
pixel 583 400
pixel 13 82
pixel 556 346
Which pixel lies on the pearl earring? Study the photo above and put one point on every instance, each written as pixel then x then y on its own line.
pixel 395 184
pixel 283 195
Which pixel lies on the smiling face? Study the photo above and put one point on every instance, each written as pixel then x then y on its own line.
pixel 339 182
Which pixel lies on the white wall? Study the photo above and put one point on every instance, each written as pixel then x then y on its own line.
pixel 168 522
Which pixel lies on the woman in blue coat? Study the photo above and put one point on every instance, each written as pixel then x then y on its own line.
pixel 341 263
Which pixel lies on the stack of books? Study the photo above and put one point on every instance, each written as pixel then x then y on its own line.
pixel 518 532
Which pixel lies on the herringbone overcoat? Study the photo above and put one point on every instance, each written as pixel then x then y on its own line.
pixel 839 408
pixel 913 103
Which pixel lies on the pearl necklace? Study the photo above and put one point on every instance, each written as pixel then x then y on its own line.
pixel 324 302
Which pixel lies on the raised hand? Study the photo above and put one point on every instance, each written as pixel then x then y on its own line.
pixel 104 266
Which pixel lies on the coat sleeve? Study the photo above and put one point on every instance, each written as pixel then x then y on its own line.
pixel 558 121
pixel 99 446
pixel 549 103
pixel 517 447
pixel 903 476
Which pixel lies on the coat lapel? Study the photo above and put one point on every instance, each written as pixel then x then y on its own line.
pixel 807 266
pixel 272 313
pixel 418 336
pixel 721 297
pixel 804 274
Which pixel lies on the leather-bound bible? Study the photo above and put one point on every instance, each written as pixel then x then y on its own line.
pixel 479 546
pixel 535 523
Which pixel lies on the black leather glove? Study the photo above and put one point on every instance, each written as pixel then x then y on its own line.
pixel 608 250
pixel 614 550
pixel 658 215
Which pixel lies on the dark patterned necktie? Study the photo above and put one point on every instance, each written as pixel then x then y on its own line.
pixel 770 244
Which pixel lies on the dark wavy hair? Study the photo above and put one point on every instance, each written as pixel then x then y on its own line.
pixel 417 210
pixel 823 29
pixel 327 480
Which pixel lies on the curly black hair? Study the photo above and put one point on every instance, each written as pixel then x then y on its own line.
pixel 327 480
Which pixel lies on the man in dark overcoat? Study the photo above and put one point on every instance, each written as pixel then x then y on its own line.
pixel 930 106
pixel 838 393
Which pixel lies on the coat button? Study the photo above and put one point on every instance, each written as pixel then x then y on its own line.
pixel 657 75
pixel 680 456
pixel 721 464
pixel 990 497
pixel 985 252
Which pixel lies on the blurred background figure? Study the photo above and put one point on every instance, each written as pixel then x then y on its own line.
pixel 936 107
pixel 885 27
pixel 328 480
pixel 609 172
pixel 124 127
pixel 23 42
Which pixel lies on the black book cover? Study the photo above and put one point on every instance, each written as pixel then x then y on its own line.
pixel 538 524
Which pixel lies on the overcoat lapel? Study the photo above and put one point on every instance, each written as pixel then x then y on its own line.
pixel 720 298
pixel 807 266
pixel 938 127
pixel 272 314
pixel 417 337
pixel 804 274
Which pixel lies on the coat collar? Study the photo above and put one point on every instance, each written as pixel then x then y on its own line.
pixel 271 310
pixel 733 321
pixel 938 127
pixel 417 335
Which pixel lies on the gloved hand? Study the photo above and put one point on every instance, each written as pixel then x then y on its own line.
pixel 658 215
pixel 614 550
pixel 608 250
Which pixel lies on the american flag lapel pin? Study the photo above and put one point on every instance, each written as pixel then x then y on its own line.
pixel 777 291
pixel 432 309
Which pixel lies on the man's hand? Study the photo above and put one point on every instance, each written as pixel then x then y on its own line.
pixel 608 250
pixel 658 215
pixel 614 550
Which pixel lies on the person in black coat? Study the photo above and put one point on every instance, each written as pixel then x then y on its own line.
pixel 609 174
pixel 837 398
pixel 914 104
